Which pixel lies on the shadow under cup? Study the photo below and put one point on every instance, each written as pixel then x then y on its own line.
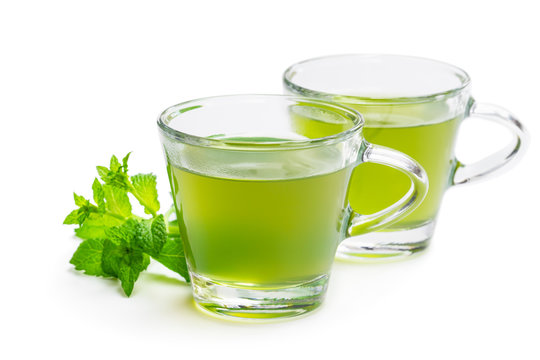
pixel 415 106
pixel 261 206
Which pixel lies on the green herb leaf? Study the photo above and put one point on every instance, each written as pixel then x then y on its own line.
pixel 96 225
pixel 125 162
pixel 79 215
pixel 117 200
pixel 87 257
pixel 117 243
pixel 129 273
pixel 121 259
pixel 72 218
pixel 103 172
pixel 126 232
pixel 115 164
pixel 172 256
pixel 145 186
pixel 99 195
pixel 117 174
pixel 80 200
pixel 151 235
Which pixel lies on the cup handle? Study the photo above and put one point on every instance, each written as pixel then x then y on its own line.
pixel 500 160
pixel 360 224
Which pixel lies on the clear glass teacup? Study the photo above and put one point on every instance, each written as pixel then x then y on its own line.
pixel 262 205
pixel 413 105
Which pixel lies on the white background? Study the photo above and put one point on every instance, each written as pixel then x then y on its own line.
pixel 81 80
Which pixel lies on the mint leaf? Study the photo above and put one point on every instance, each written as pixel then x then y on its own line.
pixel 72 218
pixel 145 190
pixel 159 232
pixel 96 225
pixel 125 162
pixel 80 200
pixel 151 235
pixel 117 200
pixel 120 261
pixel 126 232
pixel 99 195
pixel 103 172
pixel 120 258
pixel 115 164
pixel 116 175
pixel 117 243
pixel 129 273
pixel 79 215
pixel 87 257
pixel 172 256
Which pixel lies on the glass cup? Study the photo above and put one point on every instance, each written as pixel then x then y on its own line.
pixel 261 206
pixel 413 105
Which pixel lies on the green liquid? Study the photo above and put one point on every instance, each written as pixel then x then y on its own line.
pixel 375 187
pixel 425 132
pixel 260 232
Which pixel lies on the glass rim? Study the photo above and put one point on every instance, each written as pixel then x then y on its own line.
pixel 461 74
pixel 355 116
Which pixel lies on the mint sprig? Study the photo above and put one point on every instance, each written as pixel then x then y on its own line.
pixel 117 243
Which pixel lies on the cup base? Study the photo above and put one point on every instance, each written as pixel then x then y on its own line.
pixel 388 244
pixel 245 302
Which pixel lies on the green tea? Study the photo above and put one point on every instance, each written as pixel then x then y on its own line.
pixel 422 131
pixel 266 232
pixel 417 131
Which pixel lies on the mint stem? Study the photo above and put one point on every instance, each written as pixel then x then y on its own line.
pixel 120 217
pixel 168 214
